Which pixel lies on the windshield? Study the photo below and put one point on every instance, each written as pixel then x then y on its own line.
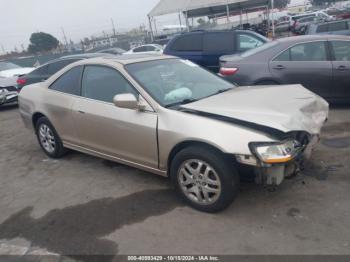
pixel 258 49
pixel 174 82
pixel 7 66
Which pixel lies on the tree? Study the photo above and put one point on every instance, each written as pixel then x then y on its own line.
pixel 280 4
pixel 42 42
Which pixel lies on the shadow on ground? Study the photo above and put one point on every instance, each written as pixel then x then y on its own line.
pixel 80 229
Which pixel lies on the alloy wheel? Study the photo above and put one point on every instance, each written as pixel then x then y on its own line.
pixel 47 138
pixel 199 182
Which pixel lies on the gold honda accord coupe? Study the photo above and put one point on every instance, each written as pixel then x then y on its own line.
pixel 173 118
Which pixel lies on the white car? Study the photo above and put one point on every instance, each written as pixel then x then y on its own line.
pixel 146 49
pixel 8 69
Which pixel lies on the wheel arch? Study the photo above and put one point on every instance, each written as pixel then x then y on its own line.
pixel 267 79
pixel 36 116
pixel 181 145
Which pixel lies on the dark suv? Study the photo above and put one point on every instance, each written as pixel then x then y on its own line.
pixel 206 47
pixel 45 71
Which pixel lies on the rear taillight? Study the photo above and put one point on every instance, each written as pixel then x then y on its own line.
pixel 228 71
pixel 21 81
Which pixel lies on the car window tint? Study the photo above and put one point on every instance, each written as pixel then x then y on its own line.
pixel 40 71
pixel 314 51
pixel 103 83
pixel 69 82
pixel 339 26
pixel 191 42
pixel 150 48
pixel 140 49
pixel 341 50
pixel 218 42
pixel 322 28
pixel 246 42
pixel 53 68
pixel 285 56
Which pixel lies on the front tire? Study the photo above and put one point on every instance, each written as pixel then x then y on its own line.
pixel 204 178
pixel 48 138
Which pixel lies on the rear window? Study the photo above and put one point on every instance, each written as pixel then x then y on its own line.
pixel 53 68
pixel 218 42
pixel 192 42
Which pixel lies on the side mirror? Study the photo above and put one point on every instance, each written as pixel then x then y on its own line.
pixel 126 101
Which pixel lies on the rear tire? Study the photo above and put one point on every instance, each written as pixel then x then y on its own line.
pixel 204 178
pixel 48 138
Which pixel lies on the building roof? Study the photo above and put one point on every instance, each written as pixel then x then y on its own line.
pixel 196 8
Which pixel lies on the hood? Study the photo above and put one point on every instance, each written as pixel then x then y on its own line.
pixel 286 108
pixel 16 71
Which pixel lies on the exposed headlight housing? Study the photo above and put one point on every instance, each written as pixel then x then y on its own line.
pixel 274 153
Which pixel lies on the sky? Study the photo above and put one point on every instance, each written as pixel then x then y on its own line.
pixel 79 18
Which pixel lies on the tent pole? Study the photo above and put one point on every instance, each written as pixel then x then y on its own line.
pixel 180 20
pixel 273 20
pixel 187 25
pixel 268 19
pixel 227 12
pixel 240 19
pixel 155 26
pixel 150 28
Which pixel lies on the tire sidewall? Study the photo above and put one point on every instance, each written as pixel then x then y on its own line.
pixel 58 143
pixel 226 171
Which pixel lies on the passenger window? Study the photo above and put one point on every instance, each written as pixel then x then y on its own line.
pixel 57 66
pixel 191 42
pixel 150 48
pixel 140 49
pixel 322 28
pixel 218 42
pixel 315 51
pixel 103 83
pixel 246 42
pixel 69 82
pixel 340 26
pixel 41 71
pixel 341 50
pixel 285 56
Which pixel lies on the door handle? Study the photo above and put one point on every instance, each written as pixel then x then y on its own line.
pixel 342 68
pixel 279 67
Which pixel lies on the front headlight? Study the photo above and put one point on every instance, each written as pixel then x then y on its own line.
pixel 272 153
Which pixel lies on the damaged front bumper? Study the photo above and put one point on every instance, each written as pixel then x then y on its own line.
pixel 8 95
pixel 274 174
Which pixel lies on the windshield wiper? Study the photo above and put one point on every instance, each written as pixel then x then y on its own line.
pixel 182 102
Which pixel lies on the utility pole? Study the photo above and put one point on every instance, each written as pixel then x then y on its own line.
pixel 65 37
pixel 3 49
pixel 113 27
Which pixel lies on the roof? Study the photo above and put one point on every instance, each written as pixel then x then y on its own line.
pixel 196 8
pixel 306 38
pixel 129 59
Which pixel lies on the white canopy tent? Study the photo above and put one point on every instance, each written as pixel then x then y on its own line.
pixel 198 8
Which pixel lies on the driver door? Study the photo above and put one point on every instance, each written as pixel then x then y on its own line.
pixel 104 128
